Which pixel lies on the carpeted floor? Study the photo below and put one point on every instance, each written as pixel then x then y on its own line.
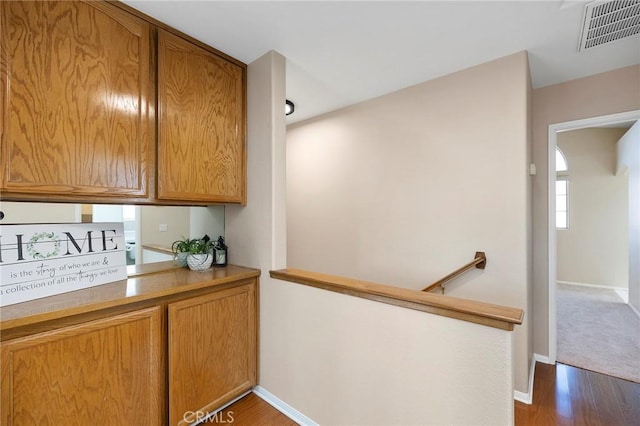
pixel 597 331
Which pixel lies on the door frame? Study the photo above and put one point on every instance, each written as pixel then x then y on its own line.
pixel 554 129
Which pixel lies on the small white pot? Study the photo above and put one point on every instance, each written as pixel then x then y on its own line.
pixel 199 262
pixel 181 258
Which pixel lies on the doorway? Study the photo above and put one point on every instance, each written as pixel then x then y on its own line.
pixel 554 129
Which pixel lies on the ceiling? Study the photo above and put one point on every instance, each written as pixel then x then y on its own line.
pixel 341 53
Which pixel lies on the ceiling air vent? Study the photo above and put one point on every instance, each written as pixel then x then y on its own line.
pixel 609 20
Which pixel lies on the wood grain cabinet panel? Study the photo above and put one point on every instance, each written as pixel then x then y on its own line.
pixel 201 124
pixel 104 372
pixel 76 89
pixel 212 350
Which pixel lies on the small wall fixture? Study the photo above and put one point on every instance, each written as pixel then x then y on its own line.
pixel 289 107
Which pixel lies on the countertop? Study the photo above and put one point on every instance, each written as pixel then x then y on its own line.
pixel 145 283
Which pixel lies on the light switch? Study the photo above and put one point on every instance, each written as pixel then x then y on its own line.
pixel 163 227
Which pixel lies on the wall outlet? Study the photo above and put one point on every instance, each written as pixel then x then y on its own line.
pixel 163 227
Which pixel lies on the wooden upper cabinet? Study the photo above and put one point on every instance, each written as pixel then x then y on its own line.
pixel 75 100
pixel 201 124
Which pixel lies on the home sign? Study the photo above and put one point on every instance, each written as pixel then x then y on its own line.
pixel 45 259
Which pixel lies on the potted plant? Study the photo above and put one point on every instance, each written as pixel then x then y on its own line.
pixel 180 249
pixel 197 253
pixel 200 255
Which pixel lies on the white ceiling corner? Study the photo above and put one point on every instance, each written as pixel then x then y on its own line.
pixel 340 53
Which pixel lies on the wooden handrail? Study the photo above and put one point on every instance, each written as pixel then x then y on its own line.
pixel 479 262
pixel 501 317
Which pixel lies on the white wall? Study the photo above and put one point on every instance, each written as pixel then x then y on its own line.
pixel 107 213
pixel 405 188
pixel 206 221
pixel 628 149
pixel 594 249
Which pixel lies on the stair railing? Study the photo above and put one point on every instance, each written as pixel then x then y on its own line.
pixel 479 262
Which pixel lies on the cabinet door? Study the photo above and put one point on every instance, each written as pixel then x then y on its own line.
pixel 104 372
pixel 201 127
pixel 75 94
pixel 212 351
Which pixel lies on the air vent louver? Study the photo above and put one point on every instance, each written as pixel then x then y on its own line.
pixel 609 20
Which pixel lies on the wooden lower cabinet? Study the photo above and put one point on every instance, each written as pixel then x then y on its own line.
pixel 104 372
pixel 169 362
pixel 212 351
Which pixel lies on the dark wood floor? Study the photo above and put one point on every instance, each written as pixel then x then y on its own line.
pixel 565 395
pixel 562 395
pixel 252 411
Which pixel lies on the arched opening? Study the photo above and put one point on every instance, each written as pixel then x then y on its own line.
pixel 562 190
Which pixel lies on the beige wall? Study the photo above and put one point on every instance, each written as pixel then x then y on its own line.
pixel 342 360
pixel 177 219
pixel 628 148
pixel 256 233
pixel 405 188
pixel 189 222
pixel 339 359
pixel 602 94
pixel 20 212
pixel 594 249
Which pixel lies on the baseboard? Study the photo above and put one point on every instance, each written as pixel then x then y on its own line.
pixel 283 407
pixel 591 285
pixel 213 416
pixel 542 358
pixel 633 308
pixel 622 292
pixel 527 398
pixel 624 295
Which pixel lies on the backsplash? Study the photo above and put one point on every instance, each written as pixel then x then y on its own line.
pixel 158 225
